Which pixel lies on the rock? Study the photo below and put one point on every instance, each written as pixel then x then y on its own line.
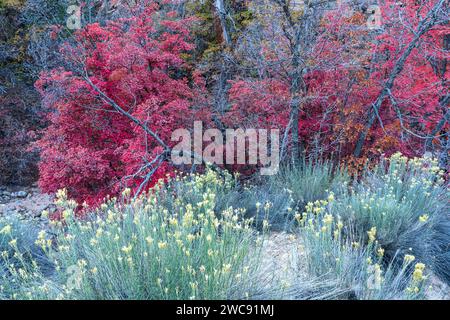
pixel 21 194
pixel 6 193
pixel 51 208
pixel 2 188
pixel 21 210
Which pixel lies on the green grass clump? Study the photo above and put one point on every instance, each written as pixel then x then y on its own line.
pixel 405 201
pixel 23 264
pixel 311 181
pixel 337 255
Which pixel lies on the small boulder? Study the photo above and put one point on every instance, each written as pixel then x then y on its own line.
pixel 21 194
pixel 51 208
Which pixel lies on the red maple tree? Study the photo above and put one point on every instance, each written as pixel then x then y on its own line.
pixel 135 63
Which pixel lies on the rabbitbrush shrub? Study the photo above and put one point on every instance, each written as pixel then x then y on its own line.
pixel 405 202
pixel 311 181
pixel 260 202
pixel 338 256
pixel 158 246
pixel 196 237
pixel 22 262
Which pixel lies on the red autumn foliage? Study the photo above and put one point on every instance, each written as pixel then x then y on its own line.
pixel 344 79
pixel 93 150
pixel 90 148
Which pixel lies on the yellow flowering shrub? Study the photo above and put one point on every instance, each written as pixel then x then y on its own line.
pixel 166 244
pixel 357 266
pixel 396 207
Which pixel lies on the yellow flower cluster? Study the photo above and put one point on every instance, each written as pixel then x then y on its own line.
pixel 42 242
pixel 6 230
pixel 372 234
pixel 418 272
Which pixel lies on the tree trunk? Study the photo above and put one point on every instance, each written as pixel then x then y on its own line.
pixel 221 13
pixel 295 98
pixel 443 155
pixel 445 118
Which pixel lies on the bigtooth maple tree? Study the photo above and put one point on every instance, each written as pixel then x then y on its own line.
pixel 366 92
pixel 406 85
pixel 135 63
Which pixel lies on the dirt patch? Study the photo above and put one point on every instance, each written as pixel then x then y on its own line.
pixel 283 256
pixel 282 253
pixel 439 290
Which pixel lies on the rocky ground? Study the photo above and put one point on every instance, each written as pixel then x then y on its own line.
pixel 27 203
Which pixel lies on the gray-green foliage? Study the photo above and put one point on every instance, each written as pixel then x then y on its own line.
pixel 158 246
pixel 311 181
pixel 406 201
pixel 22 262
